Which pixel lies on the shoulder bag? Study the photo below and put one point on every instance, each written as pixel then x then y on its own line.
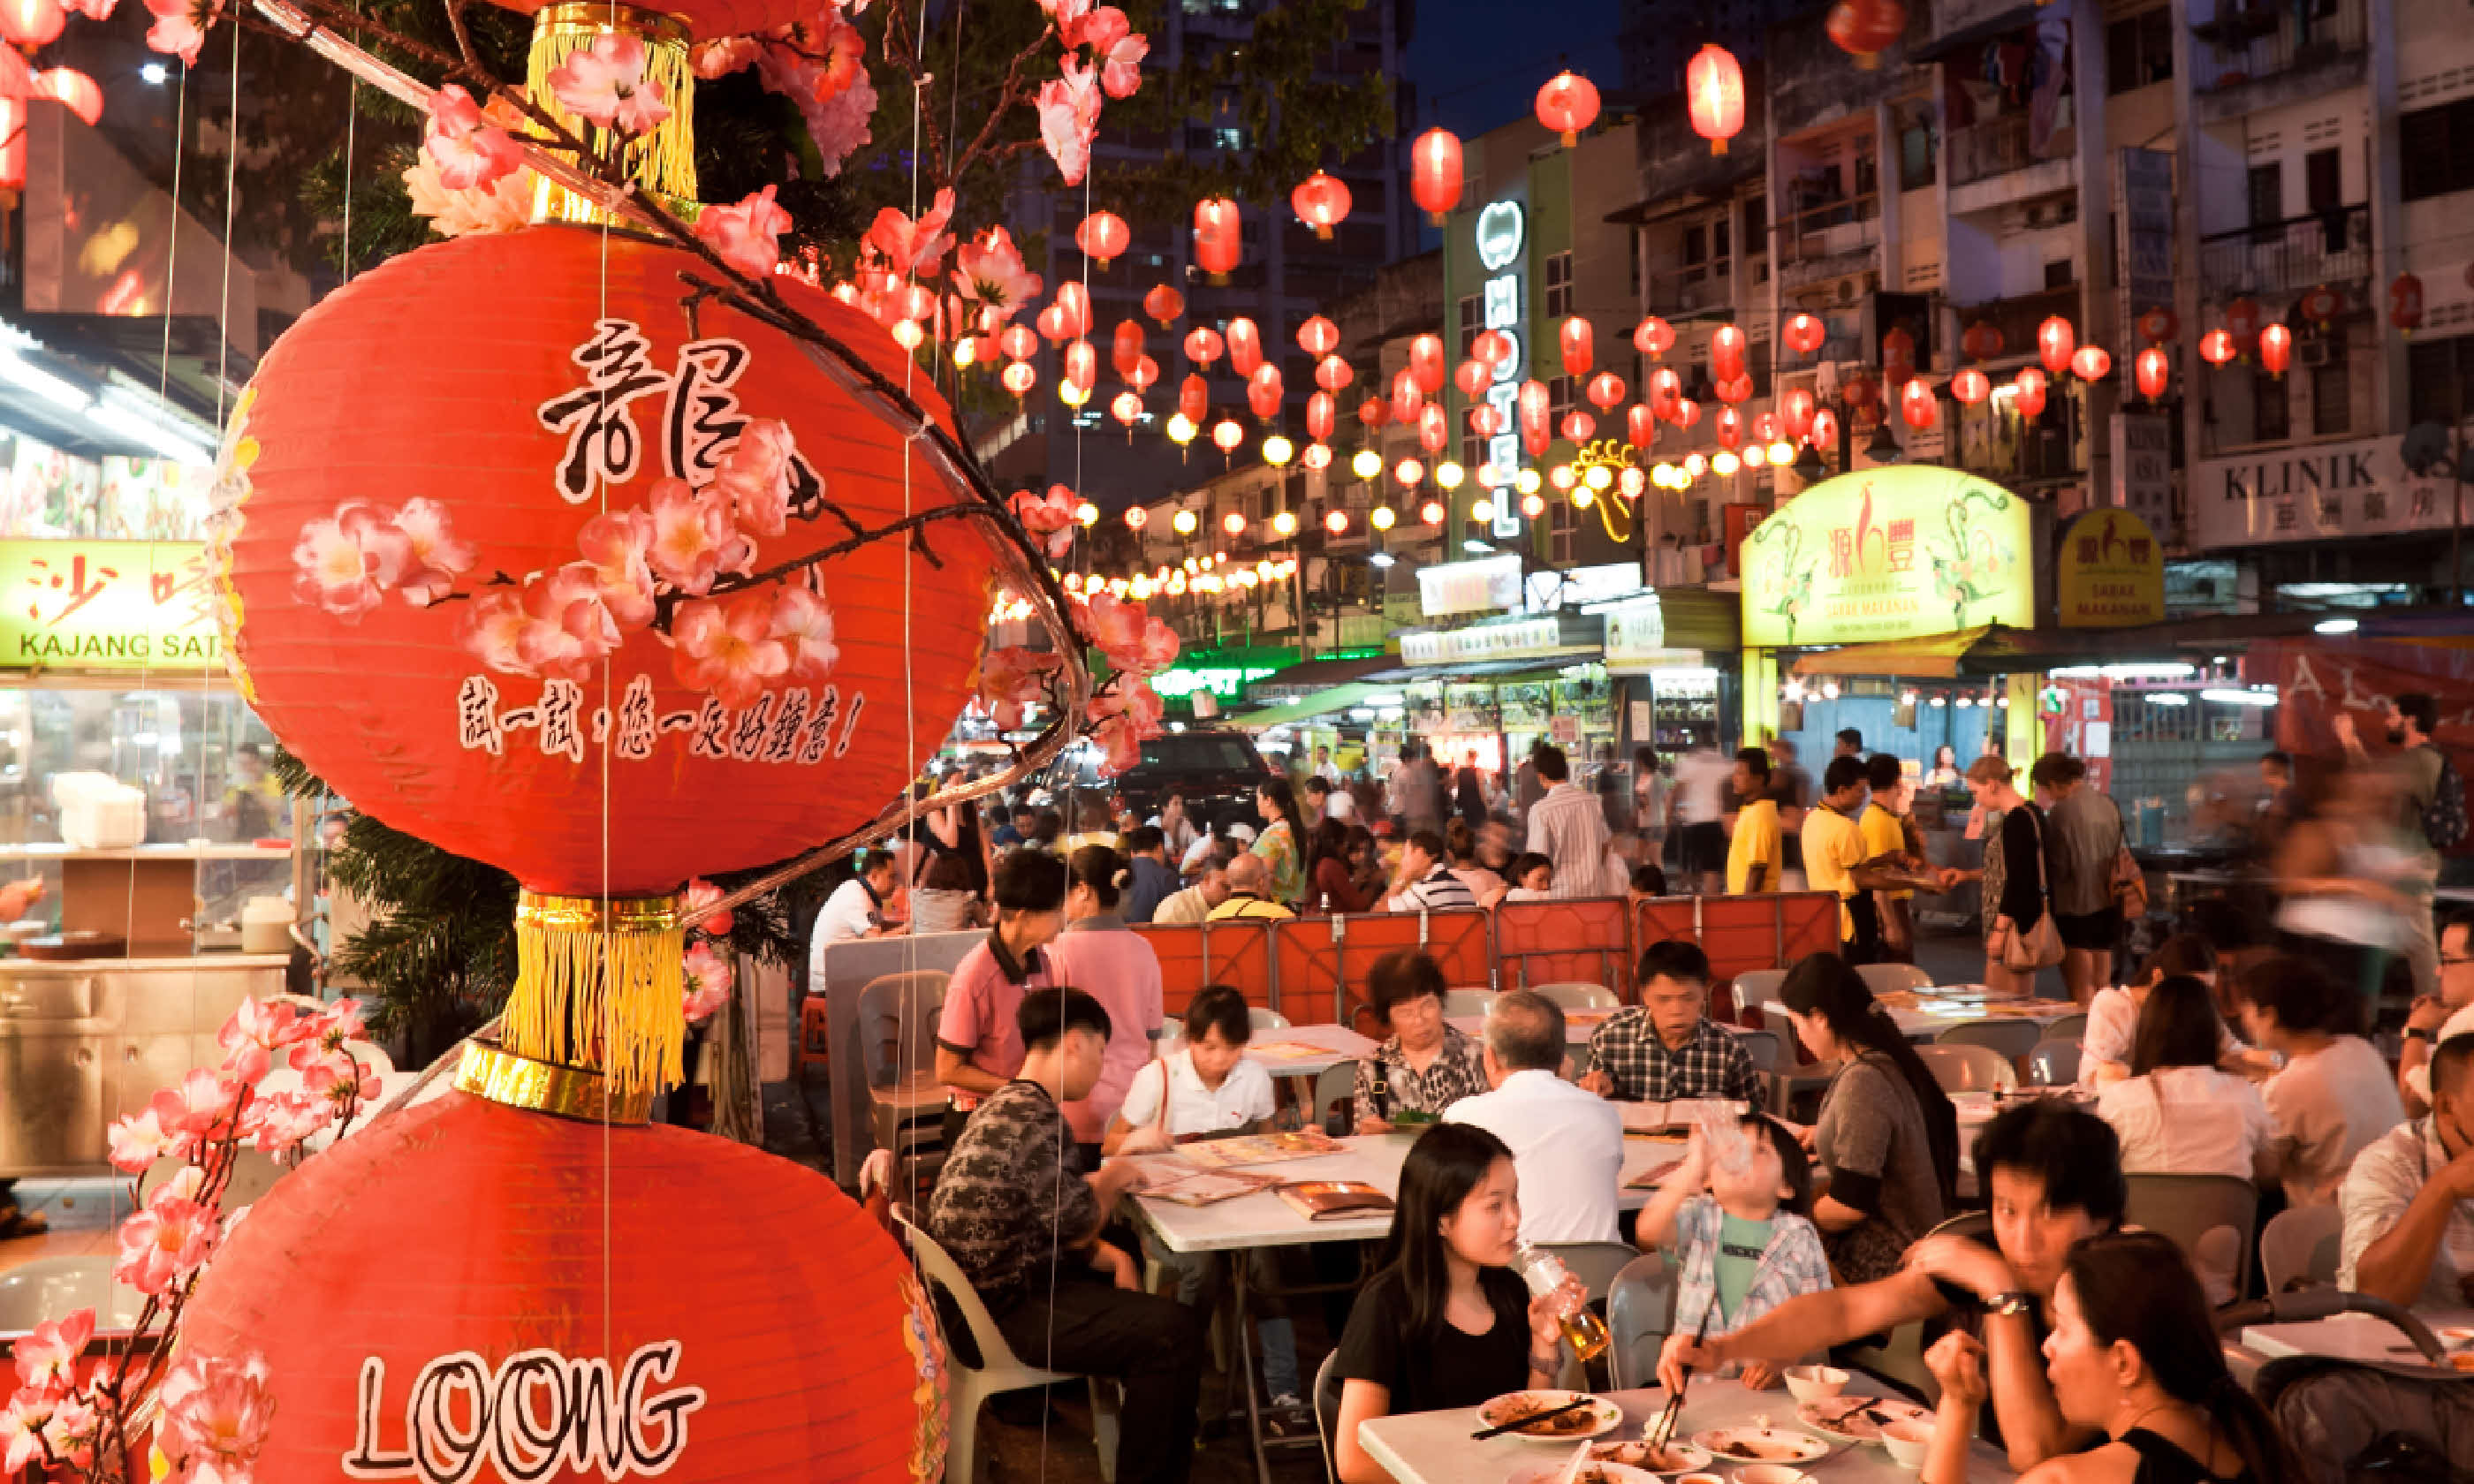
pixel 2023 952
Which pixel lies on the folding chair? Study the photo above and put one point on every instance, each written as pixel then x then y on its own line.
pixel 1334 1088
pixel 2072 1027
pixel 897 1024
pixel 2300 1247
pixel 1892 978
pixel 1468 1002
pixel 1640 1310
pixel 2013 1039
pixel 1961 1067
pixel 1756 988
pixel 1326 1405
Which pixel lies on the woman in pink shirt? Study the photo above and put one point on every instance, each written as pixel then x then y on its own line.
pixel 1104 958
pixel 979 1048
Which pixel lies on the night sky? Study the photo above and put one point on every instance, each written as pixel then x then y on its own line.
pixel 1479 63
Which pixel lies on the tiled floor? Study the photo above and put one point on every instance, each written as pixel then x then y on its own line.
pixel 81 1214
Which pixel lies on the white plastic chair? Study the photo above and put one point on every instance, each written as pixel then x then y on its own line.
pixel 1468 1002
pixel 999 1371
pixel 2013 1039
pixel 2054 1064
pixel 1890 978
pixel 1579 995
pixel 1262 1019
pixel 2070 1027
pixel 1327 1410
pixel 49 1289
pixel 1963 1067
pixel 2301 1245
pixel 1757 987
pixel 1335 1087
pixel 1641 1310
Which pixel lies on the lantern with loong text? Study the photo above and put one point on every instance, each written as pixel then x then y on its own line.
pixel 1473 376
pixel 1805 333
pixel 1652 336
pixel 1435 173
pixel 1204 344
pixel 1578 426
pixel 1318 336
pixel 1727 427
pixel 1605 390
pixel 1576 343
pixel 1163 304
pixel 1333 374
pixel 1665 391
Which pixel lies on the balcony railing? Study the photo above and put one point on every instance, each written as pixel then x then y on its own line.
pixel 2277 258
pixel 2245 40
pixel 1999 145
pixel 2017 318
pixel 1825 229
pixel 1695 288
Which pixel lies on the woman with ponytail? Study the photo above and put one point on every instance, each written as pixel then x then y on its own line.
pixel 1099 955
pixel 2133 1355
pixel 1887 1133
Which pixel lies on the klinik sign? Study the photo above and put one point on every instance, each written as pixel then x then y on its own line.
pixel 1503 252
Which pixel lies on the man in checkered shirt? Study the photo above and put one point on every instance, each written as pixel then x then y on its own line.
pixel 1666 1048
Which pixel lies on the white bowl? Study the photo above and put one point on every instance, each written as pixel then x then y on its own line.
pixel 1813 1383
pixel 1907 1442
pixel 1771 1473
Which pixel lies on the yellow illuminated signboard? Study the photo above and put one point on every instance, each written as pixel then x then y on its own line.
pixel 1895 553
pixel 119 605
pixel 2110 571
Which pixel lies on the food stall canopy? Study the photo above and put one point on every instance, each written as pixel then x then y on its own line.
pixel 1339 698
pixel 1985 650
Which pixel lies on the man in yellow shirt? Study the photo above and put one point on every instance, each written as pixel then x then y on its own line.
pixel 1836 859
pixel 1757 855
pixel 1884 824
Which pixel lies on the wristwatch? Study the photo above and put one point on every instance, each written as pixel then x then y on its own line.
pixel 2005 1304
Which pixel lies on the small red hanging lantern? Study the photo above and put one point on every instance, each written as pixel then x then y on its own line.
pixel 1864 27
pixel 2320 304
pixel 1204 344
pixel 1728 426
pixel 1193 398
pixel 1406 395
pixel 1473 376
pixel 1858 393
pixel 2054 342
pixel 1665 390
pixel 1494 347
pixel 1605 390
pixel 2216 347
pixel 1426 363
pixel 1483 422
pixel 1653 336
pixel 1218 237
pixel 1373 412
pixel 1766 428
pixel 1797 407
pixel 1579 426
pixel 2031 382
pixel 1971 387
pixel 1321 202
pixel 2150 369
pixel 1102 235
pixel 1126 407
pixel 1805 333
pixel 1687 412
pixel 1082 363
pixel 1333 374
pixel 1981 341
pixel 1318 456
pixel 1322 410
pixel 2091 363
pixel 2275 348
pixel 1263 391
pixel 2405 302
pixel 1713 87
pixel 1577 344
pixel 1433 427
pixel 1017 342
pixel 1318 336
pixel 1918 405
pixel 1898 357
pixel 1164 305
pixel 1824 432
pixel 1074 304
pixel 1737 390
pixel 1727 346
pixel 2158 325
pixel 1054 325
pixel 1019 377
pixel 1145 371
pixel 1435 173
pixel 1641 426
pixel 1244 346
pixel 1536 408
pixel 2242 321
pixel 1567 105
pixel 1125 346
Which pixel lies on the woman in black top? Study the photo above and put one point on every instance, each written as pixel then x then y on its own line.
pixel 2013 872
pixel 1445 1322
pixel 2133 1353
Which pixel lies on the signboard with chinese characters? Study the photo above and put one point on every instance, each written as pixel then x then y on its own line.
pixel 1895 553
pixel 2109 572
pixel 2312 493
pixel 2143 467
pixel 107 606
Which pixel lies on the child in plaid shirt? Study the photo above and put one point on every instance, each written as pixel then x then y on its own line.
pixel 1745 1244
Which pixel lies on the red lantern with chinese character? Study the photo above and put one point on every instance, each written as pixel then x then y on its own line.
pixel 1714 90
pixel 1321 411
pixel 1204 344
pixel 1918 405
pixel 1218 237
pixel 1971 387
pixel 2242 321
pixel 1406 395
pixel 1864 27
pixel 1102 235
pixel 1567 105
pixel 2091 363
pixel 1145 371
pixel 1653 336
pixel 1263 391
pixel 2216 348
pixel 1333 374
pixel 1739 389
pixel 1577 344
pixel 2320 304
pixel 1726 345
pixel 1640 427
pixel 2031 382
pixel 1318 456
pixel 2275 348
pixel 1536 410
pixel 2158 324
pixel 1126 407
pixel 1473 376
pixel 1435 173
pixel 2056 340
pixel 1824 432
pixel 1163 304
pixel 1483 422
pixel 1797 407
pixel 1244 346
pixel 2151 369
pixel 2405 302
pixel 1194 399
pixel 1805 333
pixel 1426 363
pixel 1433 427
pixel 1320 200
pixel 1579 426
pixel 1073 307
pixel 1898 357
pixel 1728 426
pixel 1318 336
pixel 1605 390
pixel 1980 340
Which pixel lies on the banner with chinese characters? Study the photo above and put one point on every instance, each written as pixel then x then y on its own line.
pixel 107 606
pixel 2109 571
pixel 1895 553
pixel 2312 493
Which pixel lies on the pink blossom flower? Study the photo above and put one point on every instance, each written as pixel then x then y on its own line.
pixel 1115 627
pixel 47 1358
pixel 164 1243
pixel 340 1022
pixel 1014 678
pixel 72 1431
pixel 728 651
pixel 217 1413
pixel 1068 115
pixel 437 558
pixel 724 55
pixel 700 895
pixel 748 236
pixel 180 27
pixel 195 1104
pixel 989 270
pixel 492 631
pixel 912 247
pixel 833 57
pixel 1118 54
pixel 92 10
pixel 804 622
pixel 1159 648
pixel 1050 514
pixel 1066 13
pixel 605 85
pixel 693 540
pixel 837 126
pixel 255 1029
pixel 709 976
pixel 1122 720
pixel 615 543
pixel 341 1080
pixel 567 628
pixel 466 150
pixel 501 206
pixel 138 1139
pixel 21 1429
pixel 346 564
pixel 755 474
pixel 277 1122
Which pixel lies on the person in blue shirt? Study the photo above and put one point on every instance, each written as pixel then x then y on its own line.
pixel 1148 878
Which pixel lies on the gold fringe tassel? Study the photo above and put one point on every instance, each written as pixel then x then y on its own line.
pixel 665 160
pixel 598 985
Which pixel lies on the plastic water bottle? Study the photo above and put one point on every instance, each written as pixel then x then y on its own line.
pixel 1544 1273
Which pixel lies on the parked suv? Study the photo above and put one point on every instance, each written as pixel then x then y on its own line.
pixel 1214 770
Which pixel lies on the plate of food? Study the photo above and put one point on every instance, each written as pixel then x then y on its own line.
pixel 1857 1419
pixel 1673 1458
pixel 1598 1417
pixel 1593 1472
pixel 1761 1445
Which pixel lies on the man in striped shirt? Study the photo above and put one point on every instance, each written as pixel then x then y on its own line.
pixel 1567 828
pixel 1425 881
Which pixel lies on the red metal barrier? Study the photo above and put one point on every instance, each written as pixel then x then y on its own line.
pixel 1580 939
pixel 1321 962
pixel 1762 930
pixel 1237 953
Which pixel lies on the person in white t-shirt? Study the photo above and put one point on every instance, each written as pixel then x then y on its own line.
pixel 2336 1094
pixel 1704 783
pixel 855 910
pixel 1566 1143
pixel 2113 1015
pixel 2436 1017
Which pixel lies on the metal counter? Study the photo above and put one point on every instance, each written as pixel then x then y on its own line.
pixel 83 1041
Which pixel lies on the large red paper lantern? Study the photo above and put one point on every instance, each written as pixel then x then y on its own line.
pixel 2091 363
pixel 1435 173
pixel 1018 342
pixel 1244 346
pixel 1318 336
pixel 1102 236
pixel 2151 369
pixel 1579 427
pixel 1736 390
pixel 1144 373
pixel 1218 238
pixel 1687 412
pixel 2405 302
pixel 1981 341
pixel 1373 412
pixel 1971 387
pixel 1163 303
pixel 367 626
pixel 1081 366
pixel 1567 104
pixel 1576 345
pixel 1496 349
pixel 1074 307
pixel 1536 408
pixel 1918 405
pixel 1863 28
pixel 1125 346
pixel 558 1270
pixel 2216 347
pixel 1204 344
pixel 1019 377
pixel 1605 390
pixel 2031 382
pixel 1805 333
pixel 1652 336
pixel 1797 407
pixel 1321 202
pixel 1713 89
pixel 2054 342
pixel 1426 363
pixel 1665 391
pixel 1473 376
pixel 1824 432
pixel 1193 398
pixel 2275 348
pixel 1728 426
pixel 1727 346
pixel 1126 407
pixel 1433 427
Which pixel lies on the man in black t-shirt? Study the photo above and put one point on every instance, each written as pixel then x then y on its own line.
pixel 2054 1175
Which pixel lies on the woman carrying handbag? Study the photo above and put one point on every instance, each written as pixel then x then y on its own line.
pixel 2020 935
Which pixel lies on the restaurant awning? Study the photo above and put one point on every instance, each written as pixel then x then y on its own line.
pixel 1987 649
pixel 1339 698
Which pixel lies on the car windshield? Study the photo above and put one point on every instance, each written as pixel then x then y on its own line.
pixel 1190 753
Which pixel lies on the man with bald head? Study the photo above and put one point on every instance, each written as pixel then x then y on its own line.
pixel 1566 1144
pixel 2408 1200
pixel 1249 892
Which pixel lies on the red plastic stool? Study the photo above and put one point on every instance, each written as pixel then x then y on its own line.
pixel 815 1034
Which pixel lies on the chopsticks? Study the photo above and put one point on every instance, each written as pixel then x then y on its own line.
pixel 1573 1405
pixel 1661 1431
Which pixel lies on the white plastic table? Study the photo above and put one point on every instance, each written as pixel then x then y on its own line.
pixel 1932 1016
pixel 2352 1337
pixel 1579 1025
pixel 1435 1448
pixel 1333 1043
